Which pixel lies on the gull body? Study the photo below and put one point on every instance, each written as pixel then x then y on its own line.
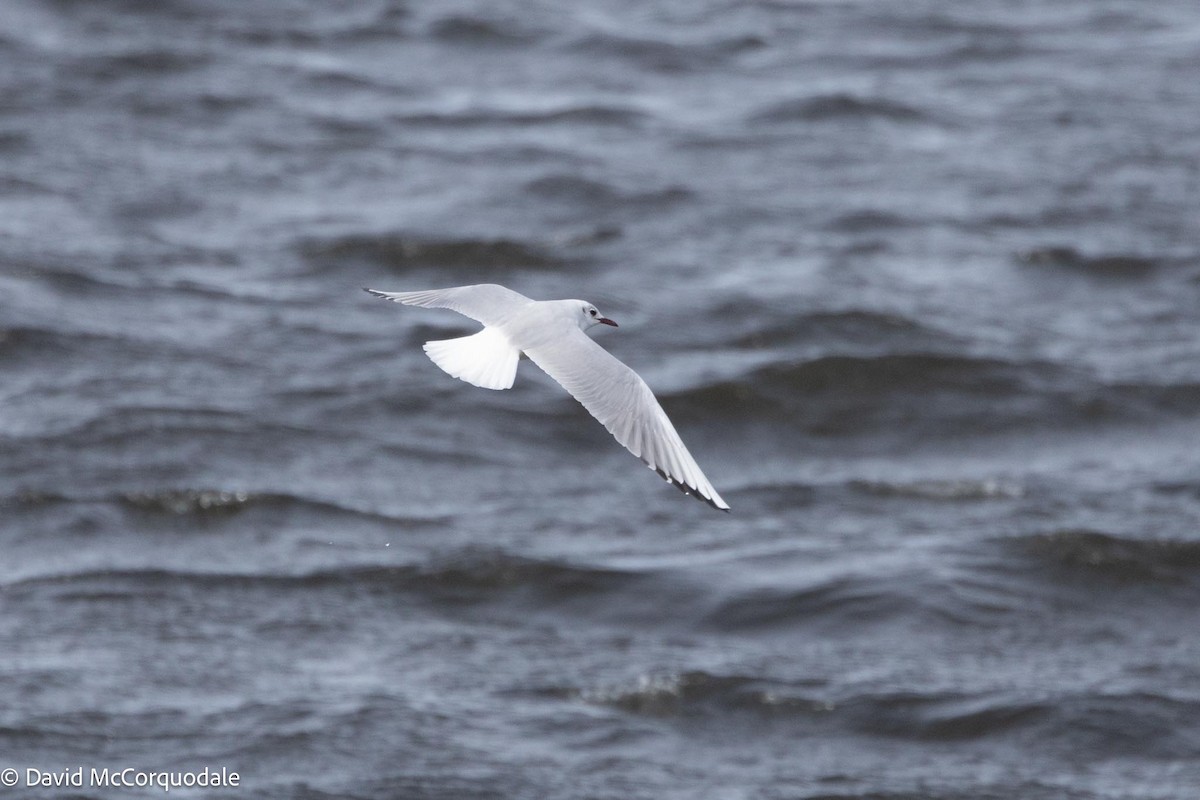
pixel 552 333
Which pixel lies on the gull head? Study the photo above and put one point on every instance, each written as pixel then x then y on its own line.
pixel 590 316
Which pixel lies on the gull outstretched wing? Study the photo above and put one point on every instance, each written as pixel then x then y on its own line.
pixel 618 397
pixel 489 303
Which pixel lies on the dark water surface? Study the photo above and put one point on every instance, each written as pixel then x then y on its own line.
pixel 918 282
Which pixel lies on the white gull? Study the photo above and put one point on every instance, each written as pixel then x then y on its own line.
pixel 552 334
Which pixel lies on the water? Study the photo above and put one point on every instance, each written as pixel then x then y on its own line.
pixel 917 283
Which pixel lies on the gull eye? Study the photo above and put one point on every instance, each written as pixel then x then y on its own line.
pixel 592 311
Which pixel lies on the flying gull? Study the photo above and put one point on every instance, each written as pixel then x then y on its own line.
pixel 552 334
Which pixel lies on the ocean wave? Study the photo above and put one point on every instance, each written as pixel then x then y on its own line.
pixel 1114 724
pixel 747 325
pixel 215 502
pixel 699 693
pixel 835 107
pixel 473 577
pixel 895 372
pixel 947 40
pixel 478 573
pixel 1111 723
pixel 838 601
pixel 660 55
pixel 1176 488
pixel 475 31
pixel 605 115
pixel 25 351
pixel 927 394
pixel 938 716
pixel 935 716
pixel 177 502
pixel 78 282
pixel 92 730
pixel 345 133
pixel 1101 266
pixel 867 220
pixel 576 189
pixel 780 497
pixel 138 64
pixel 400 252
pixel 25 341
pixel 953 490
pixel 1092 554
pixel 785 495
pixel 118 424
pixel 200 506
pixel 1122 724
pixel 312 26
pixel 842 394
pixel 11 143
pixel 161 441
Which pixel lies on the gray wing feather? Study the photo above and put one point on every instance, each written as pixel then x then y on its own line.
pixel 622 402
pixel 488 303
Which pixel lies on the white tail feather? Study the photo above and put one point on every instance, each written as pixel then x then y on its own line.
pixel 485 359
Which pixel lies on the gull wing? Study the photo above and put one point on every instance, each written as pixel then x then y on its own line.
pixel 488 303
pixel 618 397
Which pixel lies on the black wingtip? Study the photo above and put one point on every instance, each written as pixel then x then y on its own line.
pixel 687 490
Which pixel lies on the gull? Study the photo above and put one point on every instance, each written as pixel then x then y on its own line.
pixel 552 333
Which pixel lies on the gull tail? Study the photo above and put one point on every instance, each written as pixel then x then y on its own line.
pixel 485 359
